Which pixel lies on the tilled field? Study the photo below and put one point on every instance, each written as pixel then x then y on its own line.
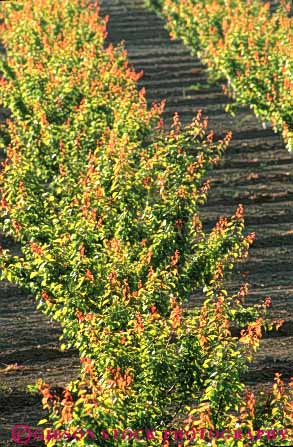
pixel 257 172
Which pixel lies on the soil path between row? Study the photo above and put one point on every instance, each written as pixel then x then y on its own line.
pixel 257 171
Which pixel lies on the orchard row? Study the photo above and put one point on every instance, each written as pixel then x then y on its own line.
pixel 105 204
pixel 242 42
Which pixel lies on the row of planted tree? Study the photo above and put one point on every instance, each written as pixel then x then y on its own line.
pixel 243 42
pixel 104 201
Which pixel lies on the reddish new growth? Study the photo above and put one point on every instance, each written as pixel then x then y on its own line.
pixel 112 278
pixel 268 301
pixel 89 276
pixel 239 212
pixel 88 365
pixel 79 315
pixel 82 250
pixel 45 296
pixel 210 136
pixel 250 238
pixel 120 380
pixel 243 292
pixel 175 258
pixel 67 402
pixel 250 402
pixel 46 394
pixel 221 224
pixel 176 312
pixel 16 225
pixel 36 248
pixel 138 326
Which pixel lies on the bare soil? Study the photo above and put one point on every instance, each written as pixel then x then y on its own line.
pixel 257 172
